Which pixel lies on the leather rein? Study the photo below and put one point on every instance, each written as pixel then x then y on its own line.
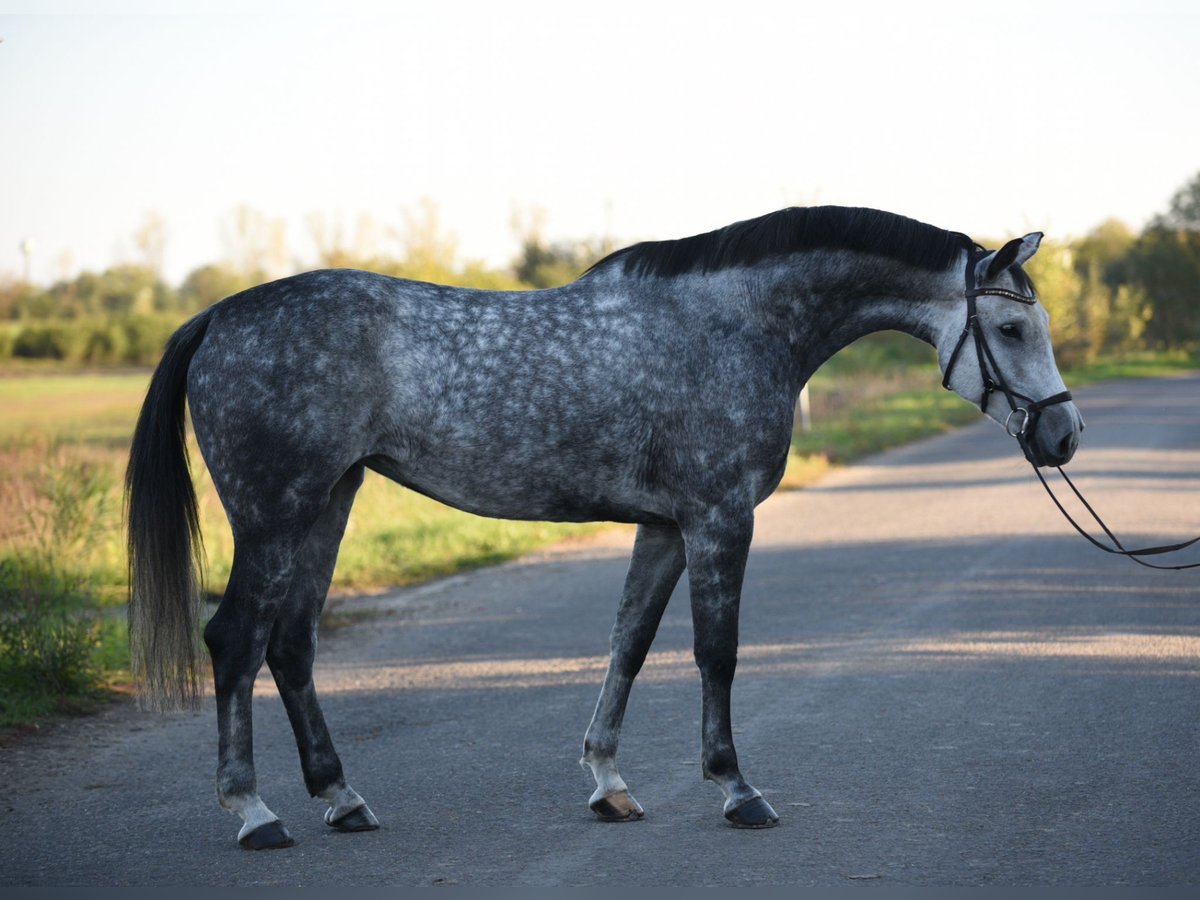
pixel 1023 416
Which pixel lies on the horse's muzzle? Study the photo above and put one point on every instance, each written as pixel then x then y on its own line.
pixel 1051 436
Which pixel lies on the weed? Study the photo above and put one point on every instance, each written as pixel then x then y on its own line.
pixel 44 647
pixel 48 629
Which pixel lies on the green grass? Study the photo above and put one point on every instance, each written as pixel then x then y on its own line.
pixel 89 409
pixel 429 540
pixel 882 423
pixel 1132 365
pixel 56 661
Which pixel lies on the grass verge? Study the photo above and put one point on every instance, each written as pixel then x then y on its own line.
pixel 56 651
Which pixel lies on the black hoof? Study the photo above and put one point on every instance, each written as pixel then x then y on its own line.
pixel 361 819
pixel 756 813
pixel 618 807
pixel 272 836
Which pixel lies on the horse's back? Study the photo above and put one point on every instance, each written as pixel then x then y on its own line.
pixel 519 404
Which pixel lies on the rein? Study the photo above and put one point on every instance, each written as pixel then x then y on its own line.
pixel 1023 419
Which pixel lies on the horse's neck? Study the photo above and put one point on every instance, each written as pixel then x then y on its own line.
pixel 826 301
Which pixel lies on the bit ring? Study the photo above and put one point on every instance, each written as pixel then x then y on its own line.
pixel 1024 422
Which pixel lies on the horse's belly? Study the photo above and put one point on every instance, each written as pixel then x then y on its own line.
pixel 528 492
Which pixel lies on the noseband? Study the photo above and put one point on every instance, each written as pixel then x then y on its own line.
pixel 1022 417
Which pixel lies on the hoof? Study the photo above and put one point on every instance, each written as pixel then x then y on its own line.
pixel 756 813
pixel 618 807
pixel 360 819
pixel 272 836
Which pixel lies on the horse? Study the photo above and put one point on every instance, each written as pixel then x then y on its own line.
pixel 659 389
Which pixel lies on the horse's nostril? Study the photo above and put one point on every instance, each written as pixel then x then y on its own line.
pixel 1066 446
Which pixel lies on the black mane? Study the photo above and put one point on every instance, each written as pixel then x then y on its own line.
pixel 791 230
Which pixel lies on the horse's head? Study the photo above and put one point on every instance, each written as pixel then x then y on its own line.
pixel 1003 360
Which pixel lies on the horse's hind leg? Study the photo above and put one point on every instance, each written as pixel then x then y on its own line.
pixel 290 655
pixel 654 570
pixel 237 642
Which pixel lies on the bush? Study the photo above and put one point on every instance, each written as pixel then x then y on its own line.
pixel 136 339
pixel 145 337
pixel 105 344
pixel 45 648
pixel 57 340
pixel 48 627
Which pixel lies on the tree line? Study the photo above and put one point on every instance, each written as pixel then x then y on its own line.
pixel 1114 290
pixel 125 314
pixel 1109 292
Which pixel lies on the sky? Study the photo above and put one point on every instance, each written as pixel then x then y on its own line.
pixel 631 120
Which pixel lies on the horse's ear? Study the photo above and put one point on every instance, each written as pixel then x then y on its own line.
pixel 1015 253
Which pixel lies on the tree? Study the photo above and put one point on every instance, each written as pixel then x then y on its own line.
pixel 542 264
pixel 150 238
pixel 126 289
pixel 430 254
pixel 333 248
pixel 1184 212
pixel 1113 313
pixel 1106 248
pixel 15 297
pixel 1060 287
pixel 1165 264
pixel 207 284
pixel 256 244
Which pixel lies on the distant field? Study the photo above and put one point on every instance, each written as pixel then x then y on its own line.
pixel 95 409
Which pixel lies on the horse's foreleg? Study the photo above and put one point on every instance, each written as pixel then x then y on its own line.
pixel 654 570
pixel 237 641
pixel 716 558
pixel 292 650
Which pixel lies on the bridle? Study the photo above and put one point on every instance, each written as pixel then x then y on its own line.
pixel 1023 417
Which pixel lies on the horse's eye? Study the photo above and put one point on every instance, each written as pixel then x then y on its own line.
pixel 1009 330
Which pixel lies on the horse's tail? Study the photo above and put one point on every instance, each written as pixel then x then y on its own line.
pixel 165 550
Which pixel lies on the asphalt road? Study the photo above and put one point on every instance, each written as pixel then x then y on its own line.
pixel 939 683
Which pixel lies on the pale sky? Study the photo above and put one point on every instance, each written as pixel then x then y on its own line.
pixel 638 119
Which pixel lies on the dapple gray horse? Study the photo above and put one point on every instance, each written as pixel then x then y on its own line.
pixel 658 388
